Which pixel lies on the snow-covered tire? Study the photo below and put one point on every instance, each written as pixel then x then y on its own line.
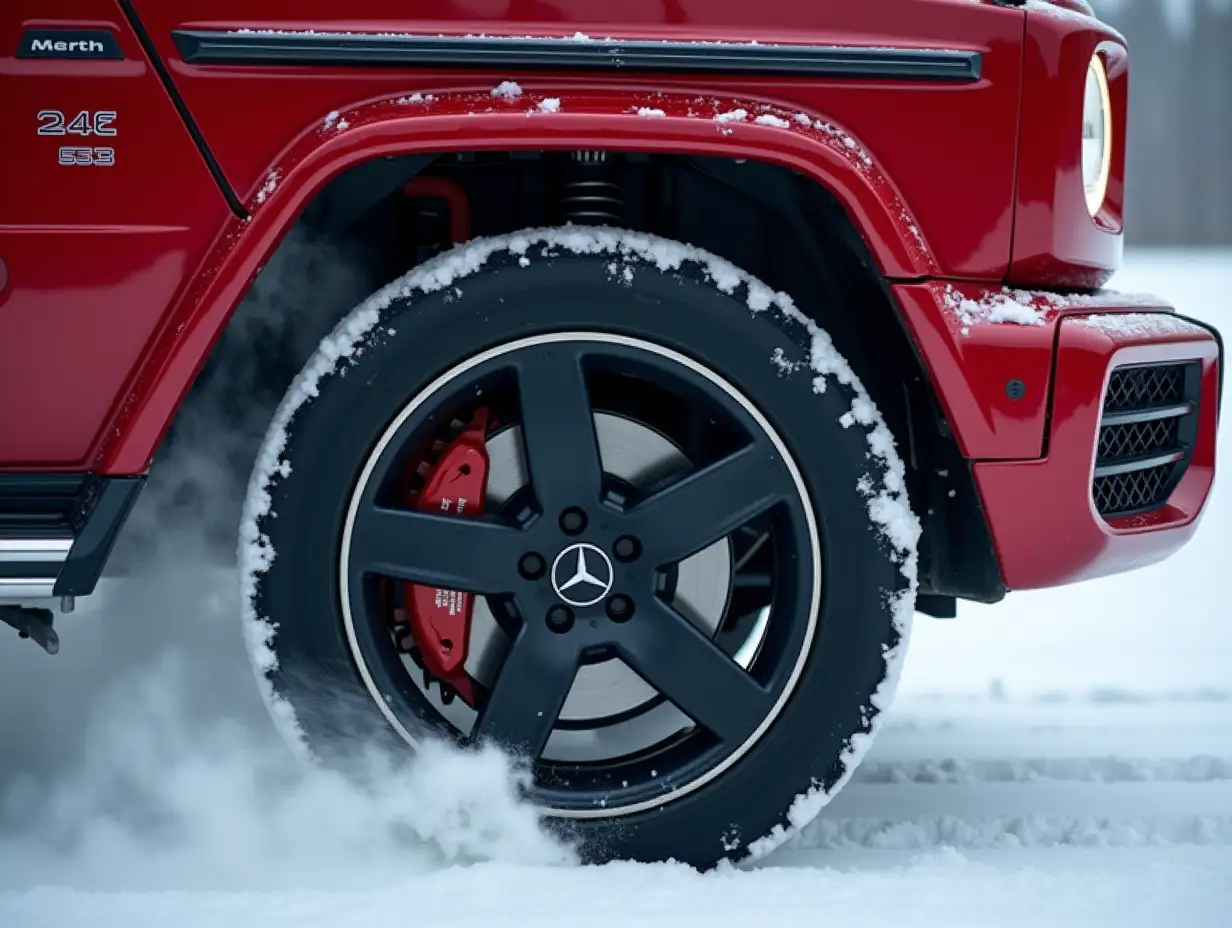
pixel 659 316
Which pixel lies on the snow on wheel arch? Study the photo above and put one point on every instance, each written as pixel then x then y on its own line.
pixel 883 485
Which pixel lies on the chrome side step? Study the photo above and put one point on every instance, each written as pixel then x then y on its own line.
pixel 29 567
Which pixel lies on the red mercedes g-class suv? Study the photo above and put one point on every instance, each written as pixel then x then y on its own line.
pixel 721 338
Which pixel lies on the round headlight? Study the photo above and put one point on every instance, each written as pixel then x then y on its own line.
pixel 1096 135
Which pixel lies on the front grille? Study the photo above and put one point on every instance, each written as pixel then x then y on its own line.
pixel 1125 441
pixel 1150 418
pixel 1121 494
pixel 1145 387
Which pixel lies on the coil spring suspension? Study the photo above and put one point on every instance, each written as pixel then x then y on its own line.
pixel 592 196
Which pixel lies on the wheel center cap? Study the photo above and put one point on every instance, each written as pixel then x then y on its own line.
pixel 582 574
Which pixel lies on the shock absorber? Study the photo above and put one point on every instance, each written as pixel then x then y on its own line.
pixel 592 194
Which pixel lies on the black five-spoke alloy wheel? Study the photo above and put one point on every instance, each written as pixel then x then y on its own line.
pixel 597 525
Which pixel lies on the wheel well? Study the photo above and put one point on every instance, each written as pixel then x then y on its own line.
pixel 375 221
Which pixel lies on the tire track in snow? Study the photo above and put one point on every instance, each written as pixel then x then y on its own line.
pixel 952 771
pixel 1014 832
pixel 994 776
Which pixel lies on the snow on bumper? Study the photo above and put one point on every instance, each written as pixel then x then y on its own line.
pixel 1021 377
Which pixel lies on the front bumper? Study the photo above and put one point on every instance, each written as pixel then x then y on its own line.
pixel 1023 380
pixel 1046 524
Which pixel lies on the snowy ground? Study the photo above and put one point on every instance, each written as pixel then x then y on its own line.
pixel 1064 758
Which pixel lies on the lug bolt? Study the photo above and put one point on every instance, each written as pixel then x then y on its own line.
pixel 532 566
pixel 627 548
pixel 573 521
pixel 560 619
pixel 620 608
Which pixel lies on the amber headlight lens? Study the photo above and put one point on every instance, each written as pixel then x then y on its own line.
pixel 1096 135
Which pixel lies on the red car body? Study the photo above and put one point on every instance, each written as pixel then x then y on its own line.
pixel 115 287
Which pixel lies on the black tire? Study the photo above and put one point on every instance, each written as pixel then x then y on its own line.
pixel 495 292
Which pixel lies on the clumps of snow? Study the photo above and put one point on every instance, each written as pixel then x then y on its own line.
pixel 769 119
pixel 854 148
pixel 168 790
pixel 883 485
pixel 1141 325
pixel 256 554
pixel 889 510
pixel 785 365
pixel 335 122
pixel 507 90
pixel 1015 307
pixel 737 115
pixel 649 112
pixel 548 105
pixel 1037 307
pixel 271 183
pixel 417 98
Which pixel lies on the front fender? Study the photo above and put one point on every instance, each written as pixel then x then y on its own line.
pixel 579 119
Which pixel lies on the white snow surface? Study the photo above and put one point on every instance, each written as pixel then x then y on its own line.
pixel 1063 758
pixel 270 185
pixel 1007 305
pixel 1141 324
pixel 507 90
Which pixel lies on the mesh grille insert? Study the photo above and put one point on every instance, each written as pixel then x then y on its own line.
pixel 1150 412
pixel 1135 491
pixel 1143 387
pixel 1124 441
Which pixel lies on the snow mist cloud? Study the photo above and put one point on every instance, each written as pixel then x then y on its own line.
pixel 141 756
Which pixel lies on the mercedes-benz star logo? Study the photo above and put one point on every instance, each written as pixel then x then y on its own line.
pixel 582 575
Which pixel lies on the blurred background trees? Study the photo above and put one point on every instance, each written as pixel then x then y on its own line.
pixel 1180 120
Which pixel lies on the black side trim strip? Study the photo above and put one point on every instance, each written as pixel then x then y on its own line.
pixel 182 108
pixel 205 47
pixel 102 514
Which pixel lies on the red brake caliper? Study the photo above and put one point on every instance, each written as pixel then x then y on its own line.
pixel 439 619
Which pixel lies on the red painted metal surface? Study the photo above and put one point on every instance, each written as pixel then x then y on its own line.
pixel 970 358
pixel 108 369
pixel 95 254
pixel 586 119
pixel 122 277
pixel 1044 525
pixel 949 148
pixel 1056 242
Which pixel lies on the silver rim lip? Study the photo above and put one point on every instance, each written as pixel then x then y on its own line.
pixel 603 338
